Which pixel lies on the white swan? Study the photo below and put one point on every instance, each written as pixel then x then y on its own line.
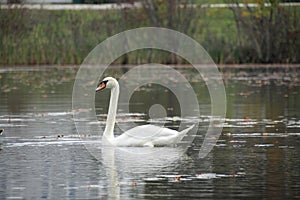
pixel 145 135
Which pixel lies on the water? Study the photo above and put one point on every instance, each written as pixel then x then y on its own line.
pixel 257 155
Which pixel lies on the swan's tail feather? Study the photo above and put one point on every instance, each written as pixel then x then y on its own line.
pixel 183 133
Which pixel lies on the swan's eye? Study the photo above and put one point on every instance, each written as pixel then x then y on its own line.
pixel 101 86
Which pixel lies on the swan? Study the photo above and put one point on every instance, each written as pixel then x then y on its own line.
pixel 140 136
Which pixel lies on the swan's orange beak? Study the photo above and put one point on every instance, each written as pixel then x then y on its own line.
pixel 101 86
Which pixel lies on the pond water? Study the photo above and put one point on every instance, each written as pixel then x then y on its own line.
pixel 256 156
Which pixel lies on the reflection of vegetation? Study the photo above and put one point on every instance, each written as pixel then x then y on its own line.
pixel 154 94
pixel 263 94
pixel 19 88
pixel 38 81
pixel 66 37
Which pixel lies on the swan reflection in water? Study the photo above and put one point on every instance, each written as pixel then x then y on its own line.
pixel 133 162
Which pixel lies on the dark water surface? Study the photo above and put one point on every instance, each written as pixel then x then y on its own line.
pixel 257 156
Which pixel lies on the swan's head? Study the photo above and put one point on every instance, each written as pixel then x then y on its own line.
pixel 108 82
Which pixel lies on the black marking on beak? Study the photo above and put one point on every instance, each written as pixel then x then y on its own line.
pixel 101 86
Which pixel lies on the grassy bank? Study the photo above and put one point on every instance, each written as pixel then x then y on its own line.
pixel 35 37
pixel 51 37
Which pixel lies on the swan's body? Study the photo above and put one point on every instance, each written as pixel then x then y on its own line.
pixel 145 135
pixel 149 135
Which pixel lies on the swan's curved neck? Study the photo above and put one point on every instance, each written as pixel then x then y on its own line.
pixel 112 112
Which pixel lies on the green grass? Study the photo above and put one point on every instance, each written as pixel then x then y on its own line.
pixel 36 37
pixel 51 37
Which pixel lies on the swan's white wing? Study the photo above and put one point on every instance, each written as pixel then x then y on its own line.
pixel 150 135
pixel 143 135
pixel 151 131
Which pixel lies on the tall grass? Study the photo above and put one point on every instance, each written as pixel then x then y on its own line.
pixel 50 37
pixel 35 37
